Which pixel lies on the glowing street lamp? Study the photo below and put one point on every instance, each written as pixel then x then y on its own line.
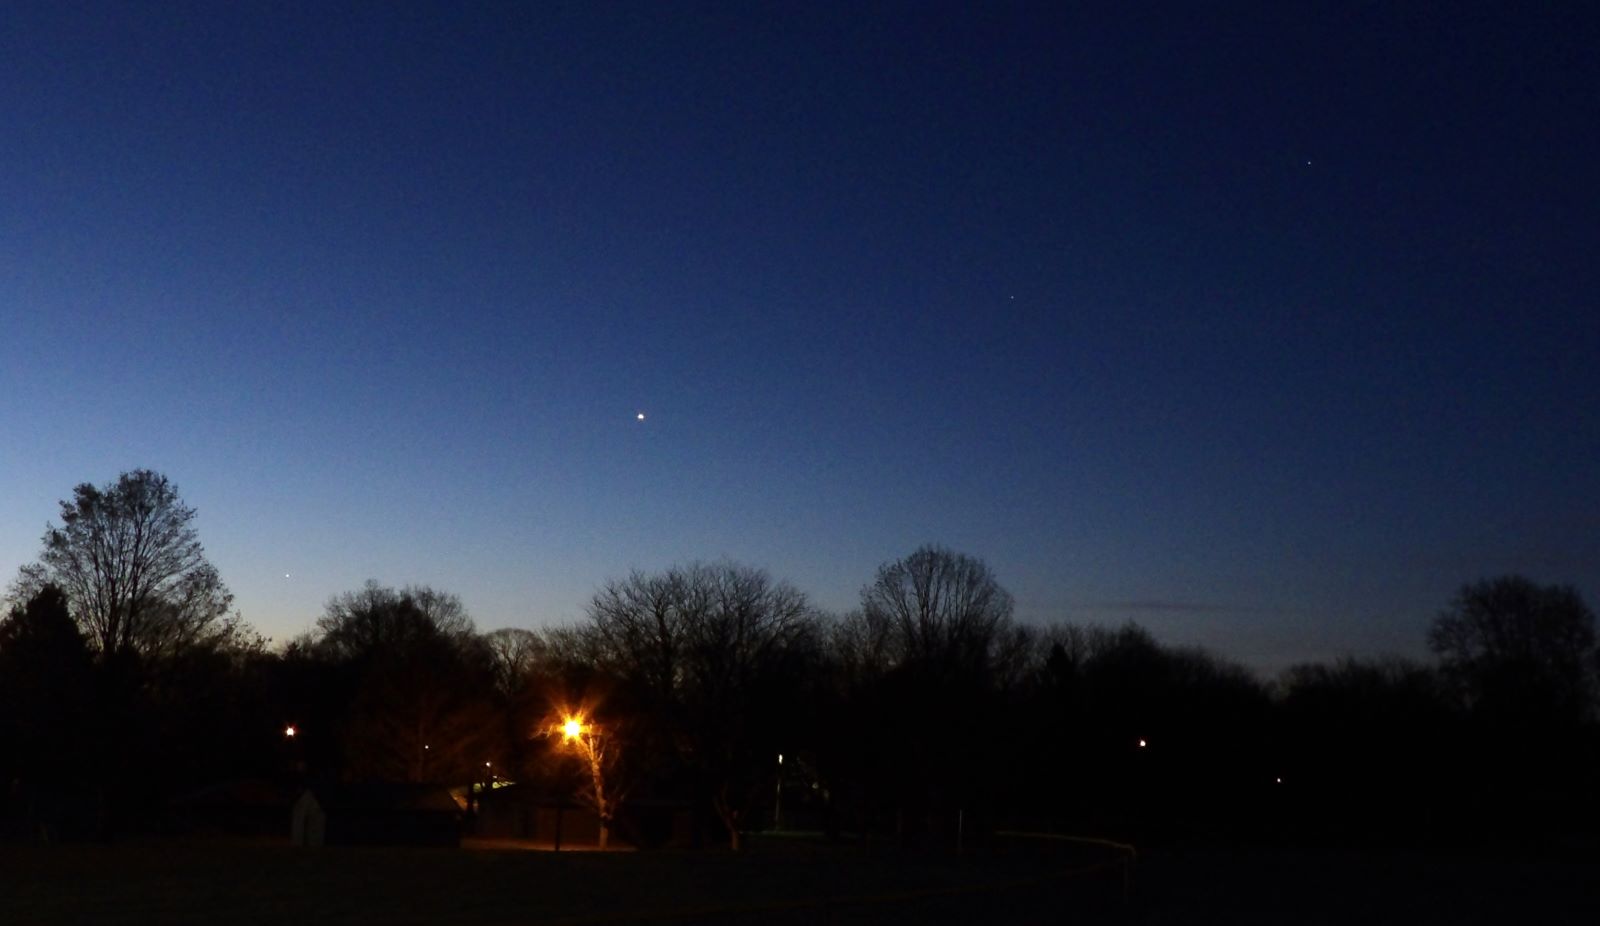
pixel 591 744
pixel 294 753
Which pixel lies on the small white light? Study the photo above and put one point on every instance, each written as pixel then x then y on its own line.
pixel 640 416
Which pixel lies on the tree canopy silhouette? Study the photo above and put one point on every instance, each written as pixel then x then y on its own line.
pixel 710 651
pixel 1513 647
pixel 46 690
pixel 420 684
pixel 136 578
pixel 938 610
pixel 376 619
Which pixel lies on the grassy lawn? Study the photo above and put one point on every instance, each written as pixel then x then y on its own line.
pixel 781 881
pixel 1311 887
pixel 788 881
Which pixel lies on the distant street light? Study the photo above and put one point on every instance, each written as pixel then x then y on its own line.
pixel 293 752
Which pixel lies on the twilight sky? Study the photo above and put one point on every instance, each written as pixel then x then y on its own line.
pixel 1264 325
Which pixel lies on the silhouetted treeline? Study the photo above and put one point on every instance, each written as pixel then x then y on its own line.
pixel 901 721
pixel 927 713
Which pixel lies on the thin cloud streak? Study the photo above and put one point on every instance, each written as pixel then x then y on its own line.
pixel 1156 605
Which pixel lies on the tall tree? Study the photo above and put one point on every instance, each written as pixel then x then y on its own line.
pixel 597 748
pixel 938 609
pixel 927 656
pixel 130 562
pixel 1518 650
pixel 376 619
pixel 516 657
pixel 420 679
pixel 711 651
pixel 46 691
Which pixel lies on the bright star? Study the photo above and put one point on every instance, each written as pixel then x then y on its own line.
pixel 640 416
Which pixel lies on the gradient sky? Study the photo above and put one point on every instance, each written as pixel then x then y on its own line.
pixel 1266 326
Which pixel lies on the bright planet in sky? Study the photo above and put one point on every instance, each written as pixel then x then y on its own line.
pixel 640 416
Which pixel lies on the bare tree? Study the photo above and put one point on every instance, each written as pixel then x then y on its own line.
pixel 130 561
pixel 421 710
pixel 1509 644
pixel 515 657
pixel 420 715
pixel 941 610
pixel 637 627
pixel 744 630
pixel 377 618
pixel 862 644
pixel 598 747
pixel 697 646
pixel 737 618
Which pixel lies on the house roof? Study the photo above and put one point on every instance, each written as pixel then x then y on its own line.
pixel 385 796
pixel 528 794
pixel 243 792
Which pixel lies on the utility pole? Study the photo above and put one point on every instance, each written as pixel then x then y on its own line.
pixel 777 799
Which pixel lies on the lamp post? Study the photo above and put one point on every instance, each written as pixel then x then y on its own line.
pixel 293 749
pixel 777 799
pixel 587 740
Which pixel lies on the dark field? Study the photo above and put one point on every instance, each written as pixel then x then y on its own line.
pixel 787 883
pixel 1310 887
pixel 780 883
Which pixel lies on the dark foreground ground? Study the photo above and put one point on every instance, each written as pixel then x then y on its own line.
pixel 1310 887
pixel 782 882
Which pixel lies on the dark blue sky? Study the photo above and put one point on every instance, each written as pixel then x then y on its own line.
pixel 1264 325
